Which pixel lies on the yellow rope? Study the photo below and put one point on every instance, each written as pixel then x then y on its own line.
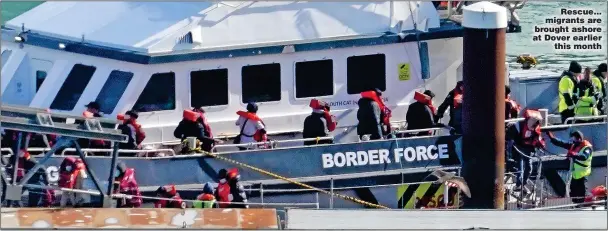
pixel 295 182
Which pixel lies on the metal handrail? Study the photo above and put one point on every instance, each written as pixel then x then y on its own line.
pixel 584 118
pixel 334 188
pixel 422 130
pixel 600 202
pixel 85 150
pixel 272 142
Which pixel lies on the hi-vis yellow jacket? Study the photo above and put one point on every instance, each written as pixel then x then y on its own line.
pixel 566 92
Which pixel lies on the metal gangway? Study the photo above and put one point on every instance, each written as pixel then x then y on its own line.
pixel 68 128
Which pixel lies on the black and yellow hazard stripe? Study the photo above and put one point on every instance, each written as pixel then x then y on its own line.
pixel 428 195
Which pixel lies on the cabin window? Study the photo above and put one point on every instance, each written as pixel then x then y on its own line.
pixel 209 88
pixel 314 78
pixel 40 77
pixel 158 95
pixel 5 55
pixel 112 90
pixel 365 73
pixel 73 87
pixel 261 83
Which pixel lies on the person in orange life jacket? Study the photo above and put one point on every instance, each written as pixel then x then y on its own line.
pixel 373 115
pixel 237 191
pixel 527 139
pixel 454 102
pixel 319 123
pixel 37 197
pixel 169 192
pixel 421 114
pixel 511 107
pixel 72 174
pixel 222 192
pixel 125 183
pixel 132 130
pixel 581 153
pixel 252 127
pixel 208 195
pixel 191 126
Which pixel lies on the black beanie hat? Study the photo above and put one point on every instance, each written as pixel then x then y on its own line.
pixel 577 134
pixel 602 67
pixel 575 67
pixel 252 107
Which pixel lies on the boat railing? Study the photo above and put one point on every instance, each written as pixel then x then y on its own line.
pixel 272 143
pixel 87 151
pixel 565 203
pixel 572 120
pixel 120 195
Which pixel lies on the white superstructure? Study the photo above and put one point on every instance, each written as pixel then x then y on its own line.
pixel 161 57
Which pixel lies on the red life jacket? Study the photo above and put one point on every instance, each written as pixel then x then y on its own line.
pixel 529 136
pixel 258 136
pixel 175 202
pixel 425 99
pixel 386 112
pixel 205 197
pixel 574 150
pixel 21 164
pixel 140 135
pixel 458 97
pixel 67 179
pixel 223 194
pixel 331 121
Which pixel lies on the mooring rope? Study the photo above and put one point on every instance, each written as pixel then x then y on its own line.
pixel 349 198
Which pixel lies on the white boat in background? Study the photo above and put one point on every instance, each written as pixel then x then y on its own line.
pixel 161 57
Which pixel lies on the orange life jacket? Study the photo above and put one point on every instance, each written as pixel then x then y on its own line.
pixel 425 99
pixel 331 121
pixel 530 136
pixel 458 97
pixel 386 112
pixel 258 136
pixel 68 179
pixel 140 135
pixel 223 194
pixel 514 106
pixel 574 149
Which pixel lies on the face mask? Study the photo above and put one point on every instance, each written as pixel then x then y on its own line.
pixel 116 173
pixel 68 168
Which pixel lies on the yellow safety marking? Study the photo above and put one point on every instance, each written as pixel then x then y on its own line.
pixel 404 71
pixel 294 182
pixel 420 191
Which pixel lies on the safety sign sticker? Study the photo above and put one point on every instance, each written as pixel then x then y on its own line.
pixel 404 71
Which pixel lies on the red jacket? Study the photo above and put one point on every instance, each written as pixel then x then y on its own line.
pixel 128 185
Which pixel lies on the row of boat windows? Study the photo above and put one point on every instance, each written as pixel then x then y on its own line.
pixel 260 83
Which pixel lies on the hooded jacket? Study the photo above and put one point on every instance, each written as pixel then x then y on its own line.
pixel 126 184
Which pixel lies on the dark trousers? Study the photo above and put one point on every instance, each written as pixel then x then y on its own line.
pixel 566 114
pixel 578 190
pixel 524 166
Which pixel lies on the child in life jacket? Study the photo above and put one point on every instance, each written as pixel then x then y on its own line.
pixel 169 192
pixel 206 199
pixel 132 129
pixel 125 183
pixel 319 124
pixel 252 128
pixel 72 174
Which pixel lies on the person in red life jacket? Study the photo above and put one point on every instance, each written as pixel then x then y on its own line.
pixel 169 192
pixel 454 102
pixel 511 107
pixel 373 115
pixel 599 193
pixel 580 151
pixel 421 114
pixel 37 197
pixel 527 138
pixel 237 191
pixel 222 192
pixel 319 124
pixel 193 126
pixel 72 175
pixel 132 130
pixel 125 183
pixel 252 128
